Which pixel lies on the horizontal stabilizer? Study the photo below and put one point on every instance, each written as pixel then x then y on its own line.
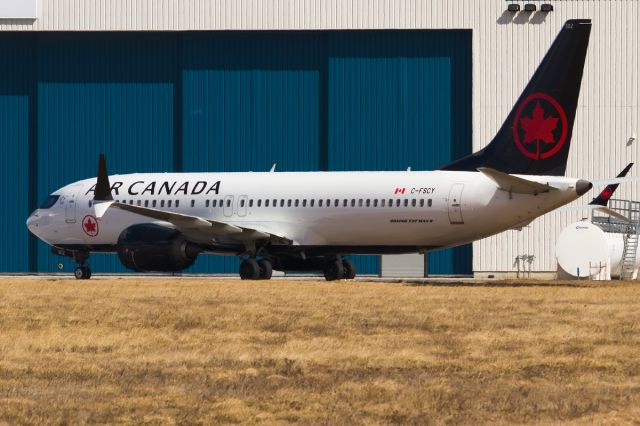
pixel 514 184
pixel 611 212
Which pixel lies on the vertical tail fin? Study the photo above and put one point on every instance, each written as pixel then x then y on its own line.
pixel 603 198
pixel 536 135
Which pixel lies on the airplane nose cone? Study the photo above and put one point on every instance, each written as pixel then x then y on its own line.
pixel 33 223
pixel 582 186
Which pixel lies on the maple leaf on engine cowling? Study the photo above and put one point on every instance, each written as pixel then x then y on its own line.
pixel 538 128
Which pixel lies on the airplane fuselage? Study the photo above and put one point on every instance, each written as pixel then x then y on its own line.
pixel 417 210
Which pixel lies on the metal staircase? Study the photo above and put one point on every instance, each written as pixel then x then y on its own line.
pixel 631 229
pixel 630 247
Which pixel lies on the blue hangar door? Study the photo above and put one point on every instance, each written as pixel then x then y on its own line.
pixel 225 101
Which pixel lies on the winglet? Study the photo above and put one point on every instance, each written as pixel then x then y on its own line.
pixel 103 188
pixel 603 198
pixel 515 184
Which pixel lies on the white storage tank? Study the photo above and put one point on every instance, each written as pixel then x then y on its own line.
pixel 584 250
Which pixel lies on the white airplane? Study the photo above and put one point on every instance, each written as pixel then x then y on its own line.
pixel 308 221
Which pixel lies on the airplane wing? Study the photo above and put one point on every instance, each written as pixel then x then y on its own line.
pixel 514 184
pixel 195 228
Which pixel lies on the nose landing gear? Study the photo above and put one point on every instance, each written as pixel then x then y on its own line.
pixel 82 272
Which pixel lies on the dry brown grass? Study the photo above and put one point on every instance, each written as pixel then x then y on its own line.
pixel 215 351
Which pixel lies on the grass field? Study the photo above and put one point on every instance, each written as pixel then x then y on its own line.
pixel 205 350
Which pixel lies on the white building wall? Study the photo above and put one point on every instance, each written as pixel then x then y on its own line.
pixel 506 50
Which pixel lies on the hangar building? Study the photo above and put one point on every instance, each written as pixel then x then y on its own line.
pixel 237 85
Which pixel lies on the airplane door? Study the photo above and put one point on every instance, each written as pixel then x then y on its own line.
pixel 455 203
pixel 70 207
pixel 242 205
pixel 228 205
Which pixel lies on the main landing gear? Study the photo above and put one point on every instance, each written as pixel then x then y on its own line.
pixel 339 269
pixel 82 273
pixel 252 269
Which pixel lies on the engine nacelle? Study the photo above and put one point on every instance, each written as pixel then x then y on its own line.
pixel 149 247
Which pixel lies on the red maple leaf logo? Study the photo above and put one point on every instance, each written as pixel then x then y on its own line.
pixel 607 193
pixel 90 226
pixel 538 127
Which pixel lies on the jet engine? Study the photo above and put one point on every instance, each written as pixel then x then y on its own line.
pixel 150 247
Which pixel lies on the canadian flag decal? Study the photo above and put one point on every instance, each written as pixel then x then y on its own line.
pixel 399 191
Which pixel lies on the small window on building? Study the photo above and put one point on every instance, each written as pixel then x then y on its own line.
pixel 429 202
pixel 422 202
pixel 413 202
pixel 153 203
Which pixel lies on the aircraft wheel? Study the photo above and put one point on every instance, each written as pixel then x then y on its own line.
pixel 266 269
pixel 249 270
pixel 82 273
pixel 333 270
pixel 349 269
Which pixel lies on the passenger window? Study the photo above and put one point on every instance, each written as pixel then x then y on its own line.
pixel 422 202
pixel 390 203
pixel 241 203
pixel 228 203
pixel 139 202
pixel 429 202
pixel 206 203
pixel 304 203
pixel 177 203
pixel 398 202
pixel 153 203
pixel 193 203
pixel 328 202
pixel 169 203
pixel 214 203
pixel 266 203
pixel 359 202
pixel 259 203
pixel 161 203
pixel 250 203
pixel 296 203
pixel 344 202
pixel 413 202
pixel 375 203
pixel 275 203
pixel 368 203
pixel 406 202
pixel 281 203
pixel 89 203
pixel 288 203
pixel 311 203
pixel 320 203
pixel 382 202
pixel 353 202
pixel 131 202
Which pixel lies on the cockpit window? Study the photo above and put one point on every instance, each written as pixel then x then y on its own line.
pixel 50 201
